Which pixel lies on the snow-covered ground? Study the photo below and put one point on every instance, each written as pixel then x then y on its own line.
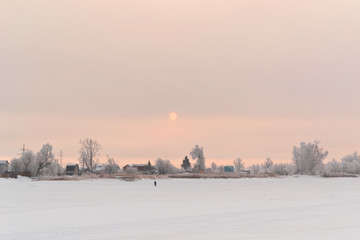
pixel 273 208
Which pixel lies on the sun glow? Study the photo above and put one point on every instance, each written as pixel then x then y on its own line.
pixel 173 116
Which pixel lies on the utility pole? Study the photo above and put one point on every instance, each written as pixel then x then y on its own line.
pixel 60 157
pixel 22 150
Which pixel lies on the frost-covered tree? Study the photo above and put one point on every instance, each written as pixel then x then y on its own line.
pixel 308 157
pixel 28 161
pixel 351 163
pixel 220 168
pixel 89 152
pixel 283 168
pixel 255 169
pixel 53 169
pixel 34 165
pixel 267 166
pixel 239 165
pixel 44 158
pixel 165 166
pixel 198 154
pixel 16 165
pixel 334 167
pixel 112 166
pixel 56 168
pixel 186 163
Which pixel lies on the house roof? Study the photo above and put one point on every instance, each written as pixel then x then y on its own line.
pixel 72 165
pixel 3 162
pixel 138 165
pixel 135 165
pixel 100 165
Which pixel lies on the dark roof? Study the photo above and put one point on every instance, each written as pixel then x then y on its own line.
pixel 71 167
pixel 139 165
pixel 72 164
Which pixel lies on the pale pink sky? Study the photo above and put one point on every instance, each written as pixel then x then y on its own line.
pixel 249 79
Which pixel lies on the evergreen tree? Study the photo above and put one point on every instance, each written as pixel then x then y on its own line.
pixel 149 167
pixel 186 163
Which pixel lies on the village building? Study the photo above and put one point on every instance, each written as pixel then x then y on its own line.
pixel 228 168
pixel 4 165
pixel 100 168
pixel 135 167
pixel 72 169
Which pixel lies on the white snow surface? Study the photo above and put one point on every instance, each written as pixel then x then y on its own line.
pixel 273 208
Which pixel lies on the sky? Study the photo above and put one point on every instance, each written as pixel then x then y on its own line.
pixel 248 79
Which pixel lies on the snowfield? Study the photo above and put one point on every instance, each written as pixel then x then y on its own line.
pixel 273 208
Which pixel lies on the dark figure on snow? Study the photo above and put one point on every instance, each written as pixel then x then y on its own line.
pixel 155 183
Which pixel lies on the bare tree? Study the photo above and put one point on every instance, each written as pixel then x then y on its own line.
pixel 239 164
pixel 198 154
pixel 308 157
pixel 89 151
pixel 44 158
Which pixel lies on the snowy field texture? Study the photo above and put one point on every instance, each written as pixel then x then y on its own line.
pixel 273 208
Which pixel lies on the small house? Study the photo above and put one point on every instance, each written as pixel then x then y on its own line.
pixel 4 165
pixel 99 168
pixel 228 168
pixel 135 167
pixel 72 169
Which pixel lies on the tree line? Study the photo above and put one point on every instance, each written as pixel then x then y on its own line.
pixel 307 158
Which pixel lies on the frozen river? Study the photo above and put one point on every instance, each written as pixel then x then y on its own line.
pixel 274 208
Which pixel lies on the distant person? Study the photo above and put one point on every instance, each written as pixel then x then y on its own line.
pixel 155 183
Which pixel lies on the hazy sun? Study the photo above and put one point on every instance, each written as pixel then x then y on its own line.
pixel 173 116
